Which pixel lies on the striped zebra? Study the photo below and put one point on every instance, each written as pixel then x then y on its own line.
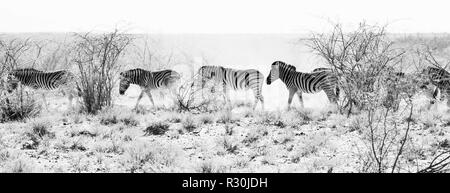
pixel 393 85
pixel 236 80
pixel 147 81
pixel 439 79
pixel 61 80
pixel 330 71
pixel 299 82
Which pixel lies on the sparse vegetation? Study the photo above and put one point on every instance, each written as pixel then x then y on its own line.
pixel 206 136
pixel 189 123
pixel 97 58
pixel 156 128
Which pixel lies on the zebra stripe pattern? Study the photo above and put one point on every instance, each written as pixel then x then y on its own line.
pixel 299 82
pixel 147 80
pixel 236 80
pixel 440 79
pixel 36 79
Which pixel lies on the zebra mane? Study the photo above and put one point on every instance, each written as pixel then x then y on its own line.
pixel 218 67
pixel 285 66
pixel 127 72
pixel 213 67
pixel 33 70
pixel 26 70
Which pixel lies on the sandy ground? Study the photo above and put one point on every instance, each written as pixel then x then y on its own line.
pixel 243 140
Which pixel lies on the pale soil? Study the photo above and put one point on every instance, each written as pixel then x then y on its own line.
pixel 271 141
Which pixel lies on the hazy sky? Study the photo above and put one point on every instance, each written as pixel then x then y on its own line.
pixel 224 16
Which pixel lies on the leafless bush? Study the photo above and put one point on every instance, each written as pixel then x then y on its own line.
pixel 194 97
pixel 385 140
pixel 19 104
pixel 369 69
pixel 97 56
pixel 439 164
pixel 362 60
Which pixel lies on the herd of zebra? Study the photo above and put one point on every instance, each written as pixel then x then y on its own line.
pixel 296 82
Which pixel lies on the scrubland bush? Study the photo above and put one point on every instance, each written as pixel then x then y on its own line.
pixel 19 165
pixel 108 117
pixel 309 146
pixel 174 118
pixel 189 123
pixel 156 128
pixel 367 65
pixel 212 166
pixel 18 106
pixel 150 157
pixel 206 119
pixel 225 117
pixel 111 116
pixel 97 58
pixel 37 133
pixel 129 120
pixel 40 128
pixel 228 143
pixel 193 97
pixel 270 118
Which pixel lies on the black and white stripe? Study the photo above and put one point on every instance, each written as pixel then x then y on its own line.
pixel 236 80
pixel 439 78
pixel 62 80
pixel 147 80
pixel 299 82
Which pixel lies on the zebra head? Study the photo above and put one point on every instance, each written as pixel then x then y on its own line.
pixel 278 70
pixel 431 76
pixel 124 83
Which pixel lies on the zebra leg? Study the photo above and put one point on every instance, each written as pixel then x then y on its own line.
pixel 300 98
pixel 291 94
pixel 226 96
pixel 258 97
pixel 150 96
pixel 139 99
pixel 45 101
pixel 331 95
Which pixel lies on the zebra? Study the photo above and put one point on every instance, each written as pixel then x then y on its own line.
pixel 330 71
pixel 393 84
pixel 236 80
pixel 299 82
pixel 63 80
pixel 147 81
pixel 439 79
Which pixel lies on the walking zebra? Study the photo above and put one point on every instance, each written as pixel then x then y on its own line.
pixel 299 82
pixel 40 80
pixel 439 78
pixel 236 80
pixel 330 72
pixel 393 85
pixel 147 80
